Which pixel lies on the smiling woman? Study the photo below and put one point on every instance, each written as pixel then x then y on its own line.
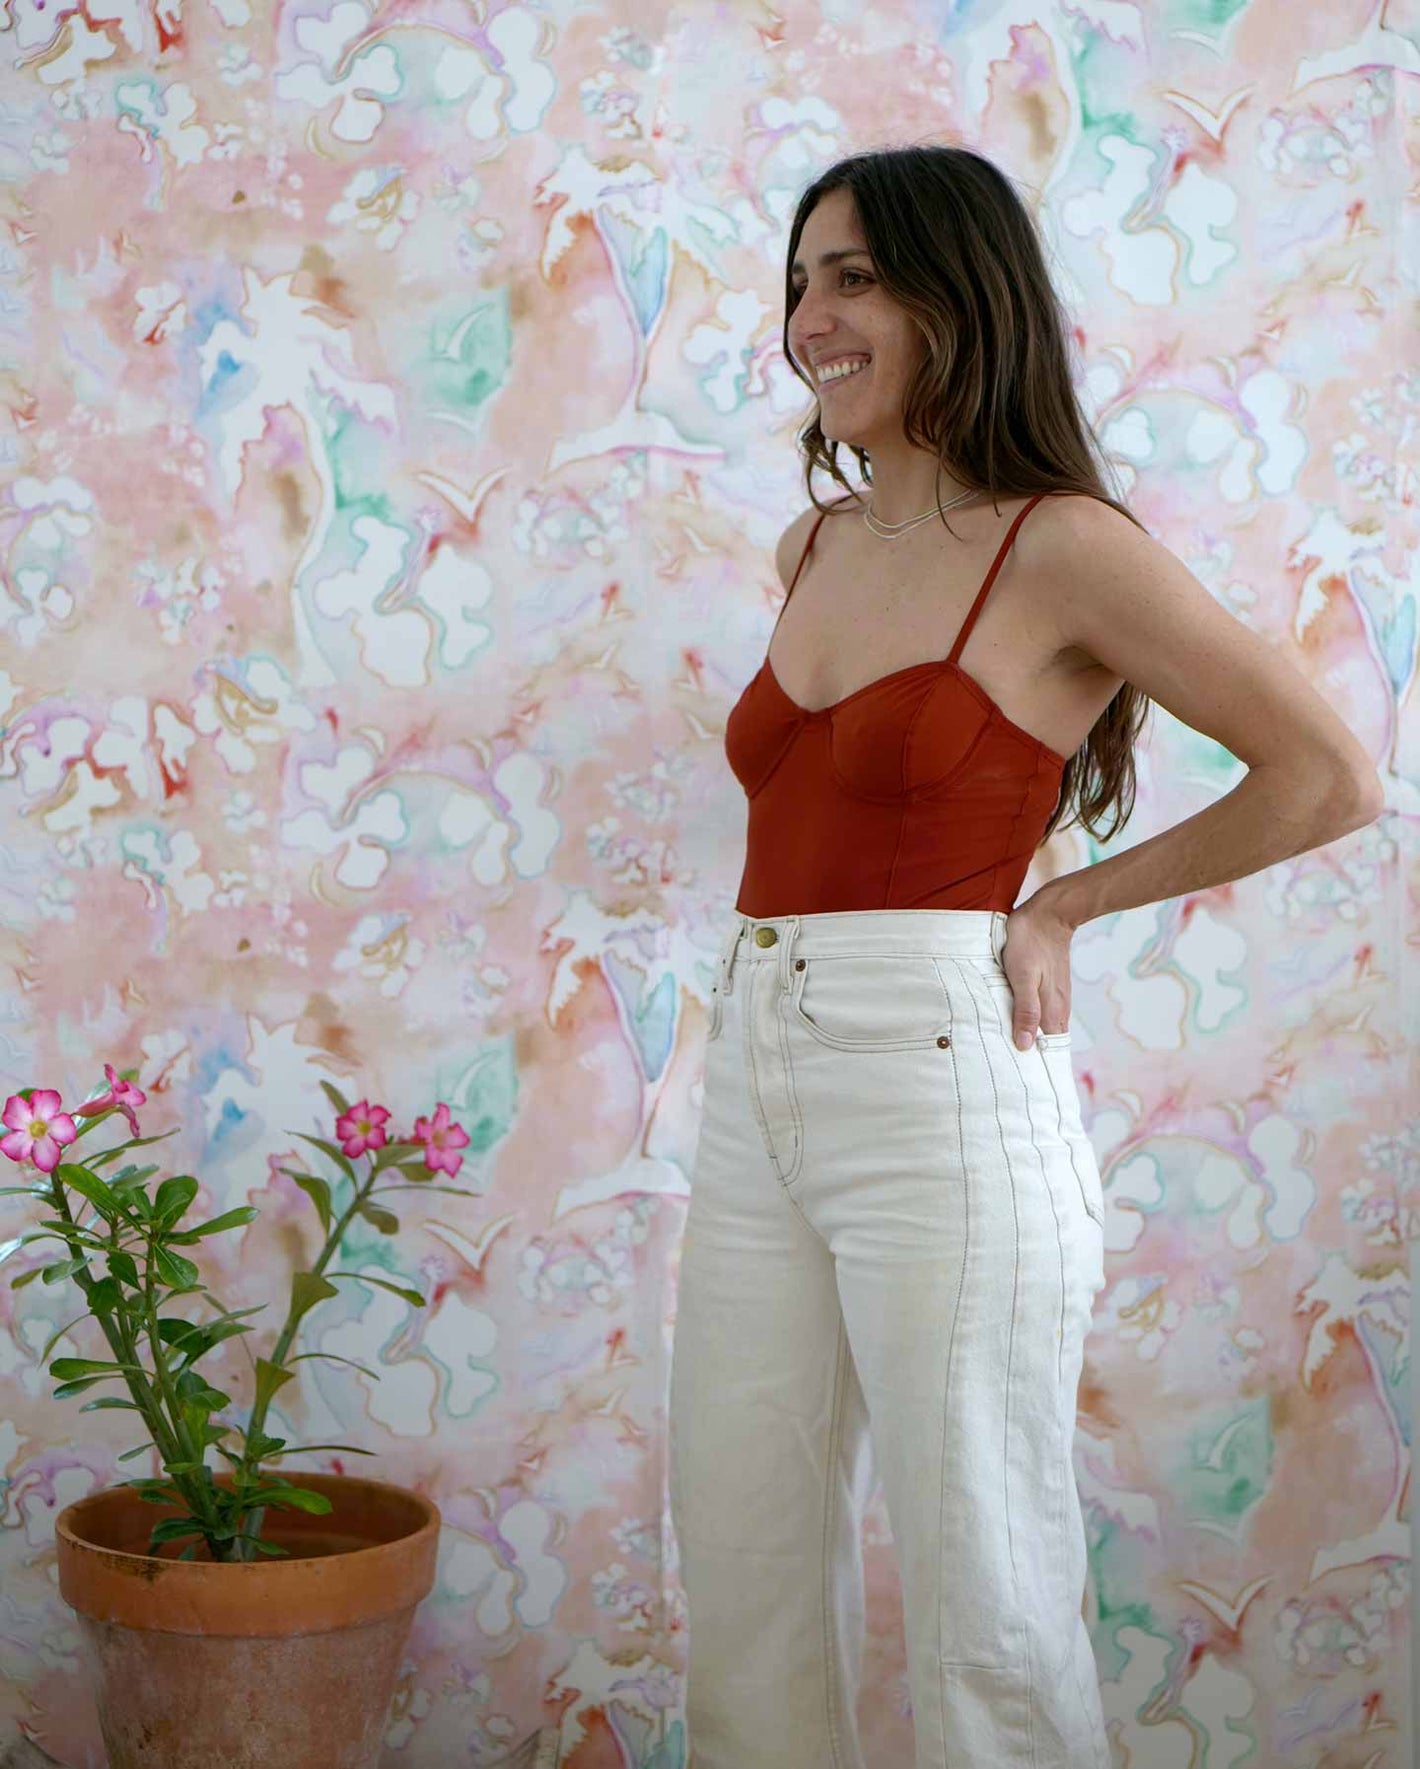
pixel 895 1211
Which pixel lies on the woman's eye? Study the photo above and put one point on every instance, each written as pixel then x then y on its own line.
pixel 799 288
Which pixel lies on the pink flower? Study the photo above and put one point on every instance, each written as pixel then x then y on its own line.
pixel 38 1130
pixel 121 1093
pixel 361 1128
pixel 440 1139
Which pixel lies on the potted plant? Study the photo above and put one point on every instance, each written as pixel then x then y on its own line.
pixel 237 1618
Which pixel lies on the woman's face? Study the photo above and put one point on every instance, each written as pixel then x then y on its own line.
pixel 844 316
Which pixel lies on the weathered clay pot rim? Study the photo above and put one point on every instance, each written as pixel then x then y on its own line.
pixel 267 1597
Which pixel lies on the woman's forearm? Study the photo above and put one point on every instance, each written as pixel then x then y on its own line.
pixel 1268 816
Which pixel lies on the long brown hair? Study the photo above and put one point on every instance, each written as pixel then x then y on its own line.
pixel 955 246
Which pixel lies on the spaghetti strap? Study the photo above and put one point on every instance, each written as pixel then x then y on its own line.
pixel 808 545
pixel 996 565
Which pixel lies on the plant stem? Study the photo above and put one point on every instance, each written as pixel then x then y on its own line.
pixel 193 1487
pixel 252 1522
pixel 120 1341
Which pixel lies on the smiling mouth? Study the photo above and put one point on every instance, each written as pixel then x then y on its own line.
pixel 836 380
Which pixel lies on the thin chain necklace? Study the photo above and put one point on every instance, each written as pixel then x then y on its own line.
pixel 891 531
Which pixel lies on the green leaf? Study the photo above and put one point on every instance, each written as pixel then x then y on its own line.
pixel 393 1153
pixel 307 1289
pixel 172 1528
pixel 215 1226
pixel 59 1333
pixel 66 1389
pixel 269 1378
pixel 332 1149
pixel 174 1269
pixel 195 1390
pixel 380 1284
pixel 317 1190
pixel 137 1450
pixel 104 1295
pixel 297 1498
pixel 75 1234
pixel 301 1449
pixel 194 1339
pixel 24 1191
pixel 133 1142
pixel 110 1400
pixel 173 1197
pixel 66 1368
pixel 384 1220
pixel 331 1357
pixel 26 1277
pixel 153 1491
pixel 130 1178
pixel 230 1314
pixel 88 1185
pixel 457 1191
pixel 125 1268
pixel 336 1098
pixel 64 1268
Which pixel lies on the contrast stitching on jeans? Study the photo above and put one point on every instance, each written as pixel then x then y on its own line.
pixel 826 1560
pixel 947 1390
pixel 1059 1244
pixel 1010 1353
pixel 1069 1142
pixel 751 1078
pixel 796 1117
pixel 1063 1450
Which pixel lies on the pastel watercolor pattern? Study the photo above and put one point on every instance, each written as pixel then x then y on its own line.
pixel 396 436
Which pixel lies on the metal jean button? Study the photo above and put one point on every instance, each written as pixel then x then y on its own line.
pixel 765 936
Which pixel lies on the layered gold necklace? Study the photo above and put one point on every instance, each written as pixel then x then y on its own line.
pixel 890 531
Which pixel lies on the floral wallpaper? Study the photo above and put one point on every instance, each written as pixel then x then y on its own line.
pixel 395 434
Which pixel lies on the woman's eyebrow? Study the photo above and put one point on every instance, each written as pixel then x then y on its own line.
pixel 833 257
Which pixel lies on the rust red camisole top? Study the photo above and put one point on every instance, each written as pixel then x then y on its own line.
pixel 915 792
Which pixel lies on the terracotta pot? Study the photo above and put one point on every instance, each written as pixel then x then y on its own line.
pixel 269 1664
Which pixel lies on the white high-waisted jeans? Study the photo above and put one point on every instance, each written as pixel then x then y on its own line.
pixel 895 1225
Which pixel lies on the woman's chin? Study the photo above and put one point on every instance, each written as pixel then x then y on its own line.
pixel 845 436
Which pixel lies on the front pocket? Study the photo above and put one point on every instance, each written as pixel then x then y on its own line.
pixel 866 1002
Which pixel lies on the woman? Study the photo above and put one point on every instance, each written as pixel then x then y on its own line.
pixel 896 1216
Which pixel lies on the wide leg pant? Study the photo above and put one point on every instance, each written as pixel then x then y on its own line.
pixel 893 1243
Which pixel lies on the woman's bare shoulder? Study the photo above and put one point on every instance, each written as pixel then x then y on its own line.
pixel 790 547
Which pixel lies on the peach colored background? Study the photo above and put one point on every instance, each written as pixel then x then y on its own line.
pixel 395 436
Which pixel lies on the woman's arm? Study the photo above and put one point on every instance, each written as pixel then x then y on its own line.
pixel 1124 599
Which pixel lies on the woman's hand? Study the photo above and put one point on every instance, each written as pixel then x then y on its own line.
pixel 1036 958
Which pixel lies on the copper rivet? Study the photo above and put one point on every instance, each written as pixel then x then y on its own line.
pixel 798 964
pixel 943 1042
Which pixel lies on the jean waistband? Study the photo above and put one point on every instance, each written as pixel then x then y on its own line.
pixel 777 939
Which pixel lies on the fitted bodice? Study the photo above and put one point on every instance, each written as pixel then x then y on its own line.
pixel 915 791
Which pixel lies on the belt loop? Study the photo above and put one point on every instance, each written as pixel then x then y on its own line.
pixel 788 939
pixel 998 934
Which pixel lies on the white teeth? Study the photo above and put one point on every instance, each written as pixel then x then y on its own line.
pixel 838 371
